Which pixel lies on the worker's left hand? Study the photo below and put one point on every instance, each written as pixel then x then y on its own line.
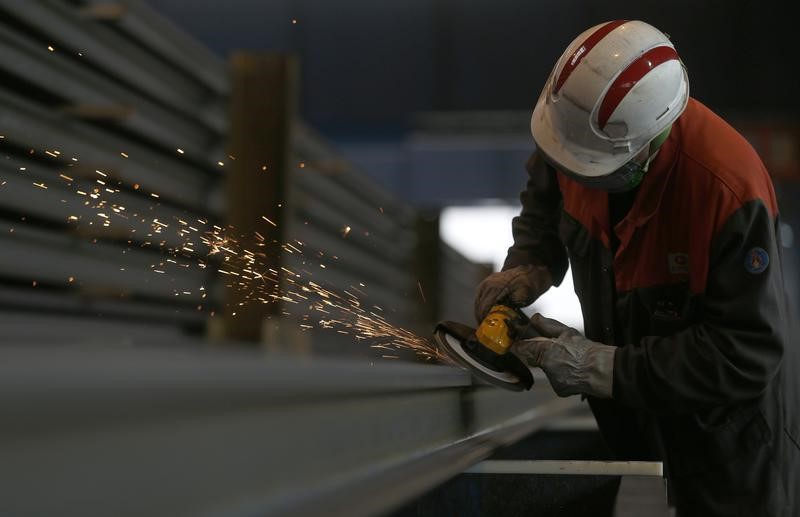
pixel 573 364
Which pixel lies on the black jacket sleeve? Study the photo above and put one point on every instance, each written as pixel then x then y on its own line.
pixel 734 351
pixel 536 239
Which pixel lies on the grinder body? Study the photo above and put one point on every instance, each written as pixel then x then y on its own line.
pixel 495 331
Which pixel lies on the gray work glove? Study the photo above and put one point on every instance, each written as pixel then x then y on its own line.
pixel 573 364
pixel 519 286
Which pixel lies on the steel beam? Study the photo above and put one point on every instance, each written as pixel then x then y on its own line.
pixel 50 259
pixel 60 201
pixel 117 55
pixel 28 125
pixel 92 431
pixel 140 22
pixel 81 85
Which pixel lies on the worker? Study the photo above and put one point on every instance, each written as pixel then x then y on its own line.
pixel 669 221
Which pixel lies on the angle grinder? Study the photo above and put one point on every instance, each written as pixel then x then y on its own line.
pixel 485 351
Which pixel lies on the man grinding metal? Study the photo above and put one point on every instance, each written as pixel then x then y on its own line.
pixel 669 220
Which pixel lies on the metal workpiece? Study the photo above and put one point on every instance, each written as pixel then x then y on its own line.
pixel 141 23
pixel 310 145
pixel 30 254
pixel 362 235
pixel 121 325
pixel 365 266
pixel 26 124
pixel 61 205
pixel 133 431
pixel 110 119
pixel 77 88
pixel 352 204
pixel 384 292
pixel 327 210
pixel 40 304
pixel 114 53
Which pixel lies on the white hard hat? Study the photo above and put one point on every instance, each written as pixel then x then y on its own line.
pixel 616 87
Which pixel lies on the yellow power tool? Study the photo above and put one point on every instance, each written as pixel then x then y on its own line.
pixel 485 351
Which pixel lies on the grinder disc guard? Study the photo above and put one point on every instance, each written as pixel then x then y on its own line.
pixel 458 341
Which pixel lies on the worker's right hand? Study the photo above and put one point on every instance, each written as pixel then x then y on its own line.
pixel 519 286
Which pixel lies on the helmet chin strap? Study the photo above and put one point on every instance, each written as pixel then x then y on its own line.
pixel 659 140
pixel 630 175
pixel 655 145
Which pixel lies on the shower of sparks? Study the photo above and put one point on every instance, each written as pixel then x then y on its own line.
pixel 318 305
pixel 250 265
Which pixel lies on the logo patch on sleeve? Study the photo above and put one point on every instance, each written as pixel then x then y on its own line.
pixel 756 260
pixel 678 263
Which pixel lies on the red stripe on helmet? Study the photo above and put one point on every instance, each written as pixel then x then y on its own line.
pixel 632 74
pixel 585 47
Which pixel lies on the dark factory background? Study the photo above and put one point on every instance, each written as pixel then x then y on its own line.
pixel 229 228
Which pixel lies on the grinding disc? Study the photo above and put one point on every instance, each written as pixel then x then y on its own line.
pixel 452 338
